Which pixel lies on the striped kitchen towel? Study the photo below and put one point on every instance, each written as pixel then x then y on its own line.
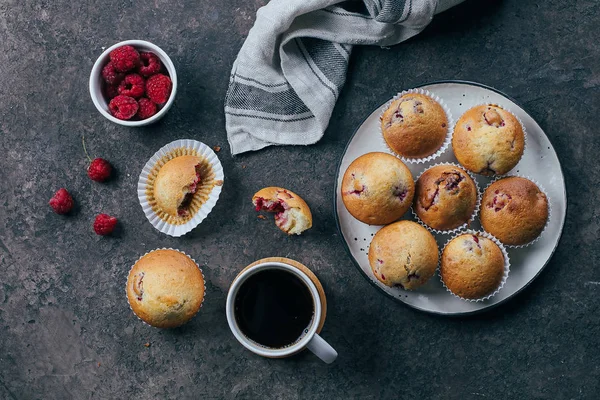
pixel 292 66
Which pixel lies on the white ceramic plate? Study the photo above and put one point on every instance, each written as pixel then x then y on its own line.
pixel 539 162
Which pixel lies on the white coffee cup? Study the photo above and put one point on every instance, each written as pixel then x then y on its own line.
pixel 310 339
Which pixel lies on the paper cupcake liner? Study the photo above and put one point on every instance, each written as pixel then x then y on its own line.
pixel 450 126
pixel 504 254
pixel 166 248
pixel 512 246
pixel 475 210
pixel 204 199
pixel 507 109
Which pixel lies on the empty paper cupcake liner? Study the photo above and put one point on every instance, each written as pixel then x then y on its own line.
pixel 511 246
pixel 507 109
pixel 475 211
pixel 504 254
pixel 165 248
pixel 450 127
pixel 203 200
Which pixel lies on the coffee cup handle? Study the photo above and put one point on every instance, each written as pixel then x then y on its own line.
pixel 322 349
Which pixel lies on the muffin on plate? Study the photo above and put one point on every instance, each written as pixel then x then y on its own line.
pixel 403 254
pixel 165 288
pixel 445 197
pixel 514 210
pixel 176 184
pixel 488 140
pixel 292 214
pixel 472 266
pixel 377 188
pixel 414 125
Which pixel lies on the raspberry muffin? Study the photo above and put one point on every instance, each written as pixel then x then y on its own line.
pixel 488 140
pixel 165 288
pixel 292 214
pixel 445 197
pixel 403 254
pixel 472 266
pixel 377 188
pixel 414 125
pixel 514 210
pixel 176 184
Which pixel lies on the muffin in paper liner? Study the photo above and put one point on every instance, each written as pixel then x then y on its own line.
pixel 510 246
pixel 475 210
pixel 203 200
pixel 504 254
pixel 166 248
pixel 507 109
pixel 450 127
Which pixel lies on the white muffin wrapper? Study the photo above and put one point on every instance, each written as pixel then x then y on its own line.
pixel 173 229
pixel 475 211
pixel 504 254
pixel 511 246
pixel 507 109
pixel 166 248
pixel 447 140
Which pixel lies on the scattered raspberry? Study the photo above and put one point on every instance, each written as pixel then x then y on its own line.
pixel 123 107
pixel 217 148
pixel 125 58
pixel 99 170
pixel 111 91
pixel 133 86
pixel 158 88
pixel 149 65
pixel 111 75
pixel 61 202
pixel 104 224
pixel 147 108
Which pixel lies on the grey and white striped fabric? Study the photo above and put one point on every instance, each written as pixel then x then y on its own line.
pixel 291 68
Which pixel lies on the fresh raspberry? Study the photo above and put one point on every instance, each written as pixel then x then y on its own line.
pixel 99 170
pixel 104 224
pixel 149 64
pixel 158 88
pixel 61 202
pixel 123 107
pixel 111 91
pixel 125 58
pixel 133 86
pixel 111 75
pixel 147 108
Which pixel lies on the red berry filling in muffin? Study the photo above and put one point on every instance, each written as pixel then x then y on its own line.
pixel 449 181
pixel 184 207
pixel 290 217
pixel 499 201
pixel 138 285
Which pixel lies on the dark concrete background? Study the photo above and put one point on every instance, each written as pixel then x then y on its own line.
pixel 66 331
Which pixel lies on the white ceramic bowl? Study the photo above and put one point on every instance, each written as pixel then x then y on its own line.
pixel 96 82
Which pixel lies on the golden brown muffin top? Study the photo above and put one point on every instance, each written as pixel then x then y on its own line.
pixel 472 266
pixel 488 140
pixel 173 182
pixel 165 288
pixel 377 188
pixel 445 197
pixel 414 125
pixel 514 210
pixel 403 254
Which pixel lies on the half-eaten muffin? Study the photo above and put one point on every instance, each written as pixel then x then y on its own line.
pixel 292 214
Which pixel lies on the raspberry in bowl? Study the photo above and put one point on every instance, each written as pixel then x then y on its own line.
pixel 133 83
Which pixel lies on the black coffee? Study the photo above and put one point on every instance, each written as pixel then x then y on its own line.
pixel 273 307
